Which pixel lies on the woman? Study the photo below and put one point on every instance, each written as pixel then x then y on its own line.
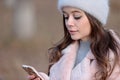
pixel 88 51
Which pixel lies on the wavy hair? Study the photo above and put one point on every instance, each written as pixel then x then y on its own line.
pixel 102 42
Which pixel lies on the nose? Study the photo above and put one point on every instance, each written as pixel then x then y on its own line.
pixel 70 22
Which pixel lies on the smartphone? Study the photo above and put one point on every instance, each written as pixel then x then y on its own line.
pixel 32 71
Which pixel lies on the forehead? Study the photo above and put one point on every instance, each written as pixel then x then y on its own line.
pixel 69 9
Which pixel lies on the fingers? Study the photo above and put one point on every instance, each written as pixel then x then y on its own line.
pixel 32 77
pixel 37 78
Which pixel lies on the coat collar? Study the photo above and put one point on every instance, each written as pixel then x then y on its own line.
pixel 66 63
pixel 71 48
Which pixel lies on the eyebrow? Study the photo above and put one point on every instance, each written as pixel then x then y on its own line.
pixel 73 11
pixel 76 11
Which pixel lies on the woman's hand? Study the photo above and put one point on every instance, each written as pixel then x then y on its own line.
pixel 33 77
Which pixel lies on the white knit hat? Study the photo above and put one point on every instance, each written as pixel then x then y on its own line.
pixel 97 8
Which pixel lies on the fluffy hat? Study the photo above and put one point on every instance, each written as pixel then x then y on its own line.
pixel 97 8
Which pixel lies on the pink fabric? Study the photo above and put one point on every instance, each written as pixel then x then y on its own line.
pixel 85 70
pixel 64 67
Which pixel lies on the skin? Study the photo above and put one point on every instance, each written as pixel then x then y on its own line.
pixel 77 25
pixel 32 77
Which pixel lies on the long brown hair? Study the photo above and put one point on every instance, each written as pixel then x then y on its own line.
pixel 101 42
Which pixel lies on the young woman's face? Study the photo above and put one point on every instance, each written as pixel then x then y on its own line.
pixel 77 23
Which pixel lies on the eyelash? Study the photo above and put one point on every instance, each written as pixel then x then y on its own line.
pixel 66 17
pixel 77 18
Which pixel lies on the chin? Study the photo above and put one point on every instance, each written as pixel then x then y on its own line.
pixel 75 38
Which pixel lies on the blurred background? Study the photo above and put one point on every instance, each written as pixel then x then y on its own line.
pixel 28 28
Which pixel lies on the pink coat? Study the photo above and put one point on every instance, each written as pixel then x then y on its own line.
pixel 64 70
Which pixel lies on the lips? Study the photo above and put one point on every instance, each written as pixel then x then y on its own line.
pixel 73 32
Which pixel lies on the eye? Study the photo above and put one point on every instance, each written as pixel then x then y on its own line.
pixel 66 18
pixel 77 17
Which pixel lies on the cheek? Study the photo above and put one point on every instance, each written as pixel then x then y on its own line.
pixel 85 27
pixel 66 24
pixel 88 27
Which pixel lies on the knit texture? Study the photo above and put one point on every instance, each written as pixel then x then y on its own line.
pixel 97 8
